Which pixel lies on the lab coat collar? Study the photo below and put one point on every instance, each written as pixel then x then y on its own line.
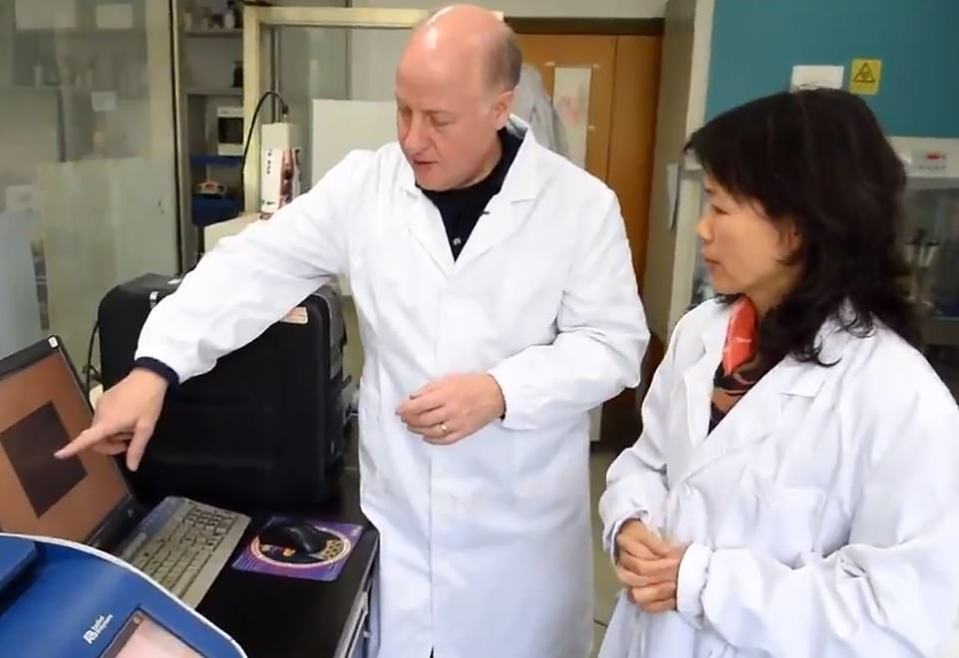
pixel 806 379
pixel 522 180
pixel 503 216
pixel 758 414
pixel 790 376
pixel 505 213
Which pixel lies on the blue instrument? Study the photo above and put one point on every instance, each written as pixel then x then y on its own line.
pixel 61 599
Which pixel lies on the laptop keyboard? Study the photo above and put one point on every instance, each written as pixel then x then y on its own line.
pixel 184 545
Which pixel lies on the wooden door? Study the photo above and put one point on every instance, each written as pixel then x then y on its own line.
pixel 633 136
pixel 548 51
pixel 624 86
pixel 623 94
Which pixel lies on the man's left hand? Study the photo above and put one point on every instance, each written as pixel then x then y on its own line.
pixel 453 408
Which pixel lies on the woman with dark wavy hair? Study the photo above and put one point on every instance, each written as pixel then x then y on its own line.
pixel 795 491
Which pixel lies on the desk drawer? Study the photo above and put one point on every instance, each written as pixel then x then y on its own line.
pixel 356 629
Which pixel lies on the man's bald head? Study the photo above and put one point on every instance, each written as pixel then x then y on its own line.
pixel 492 41
pixel 454 91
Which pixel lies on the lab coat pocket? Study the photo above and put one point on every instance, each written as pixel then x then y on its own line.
pixel 785 520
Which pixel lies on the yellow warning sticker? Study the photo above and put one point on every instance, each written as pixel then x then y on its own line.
pixel 865 76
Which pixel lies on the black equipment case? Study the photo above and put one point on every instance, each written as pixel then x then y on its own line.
pixel 265 429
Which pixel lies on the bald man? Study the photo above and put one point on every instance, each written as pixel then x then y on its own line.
pixel 497 306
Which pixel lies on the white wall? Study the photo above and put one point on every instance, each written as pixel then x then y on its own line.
pixel 672 253
pixel 541 8
pixel 671 134
pixel 376 53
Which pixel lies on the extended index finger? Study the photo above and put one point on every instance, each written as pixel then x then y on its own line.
pixel 86 439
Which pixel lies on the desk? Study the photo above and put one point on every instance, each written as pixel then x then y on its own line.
pixel 273 617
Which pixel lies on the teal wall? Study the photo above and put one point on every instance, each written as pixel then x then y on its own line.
pixel 756 43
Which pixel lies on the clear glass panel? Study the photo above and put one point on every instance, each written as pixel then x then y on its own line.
pixel 87 191
pixel 310 63
pixel 338 83
pixel 932 234
pixel 353 69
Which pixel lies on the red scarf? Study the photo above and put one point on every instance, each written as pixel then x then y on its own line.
pixel 741 341
pixel 738 371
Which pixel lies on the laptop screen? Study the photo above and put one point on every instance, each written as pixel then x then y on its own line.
pixel 41 410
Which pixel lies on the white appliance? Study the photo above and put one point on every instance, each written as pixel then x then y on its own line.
pixel 229 130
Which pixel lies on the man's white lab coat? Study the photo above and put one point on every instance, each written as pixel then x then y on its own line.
pixel 485 548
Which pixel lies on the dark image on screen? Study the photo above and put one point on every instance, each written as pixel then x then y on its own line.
pixel 29 445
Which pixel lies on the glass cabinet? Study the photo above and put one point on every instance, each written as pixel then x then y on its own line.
pixel 932 249
pixel 87 160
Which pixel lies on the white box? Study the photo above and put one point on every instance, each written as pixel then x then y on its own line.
pixel 114 16
pixel 45 14
pixel 829 77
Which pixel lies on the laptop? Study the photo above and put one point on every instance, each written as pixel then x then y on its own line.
pixel 180 543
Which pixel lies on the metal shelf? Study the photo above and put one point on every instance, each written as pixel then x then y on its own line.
pixel 204 160
pixel 209 91
pixel 27 33
pixel 214 33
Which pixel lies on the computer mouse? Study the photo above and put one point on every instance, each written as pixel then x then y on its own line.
pixel 299 536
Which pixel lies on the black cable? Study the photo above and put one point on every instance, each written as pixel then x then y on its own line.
pixel 88 369
pixel 284 111
pixel 600 623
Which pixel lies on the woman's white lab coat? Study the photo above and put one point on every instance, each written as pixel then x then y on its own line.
pixel 485 546
pixel 822 513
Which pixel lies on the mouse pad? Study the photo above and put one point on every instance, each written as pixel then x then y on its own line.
pixel 323 565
